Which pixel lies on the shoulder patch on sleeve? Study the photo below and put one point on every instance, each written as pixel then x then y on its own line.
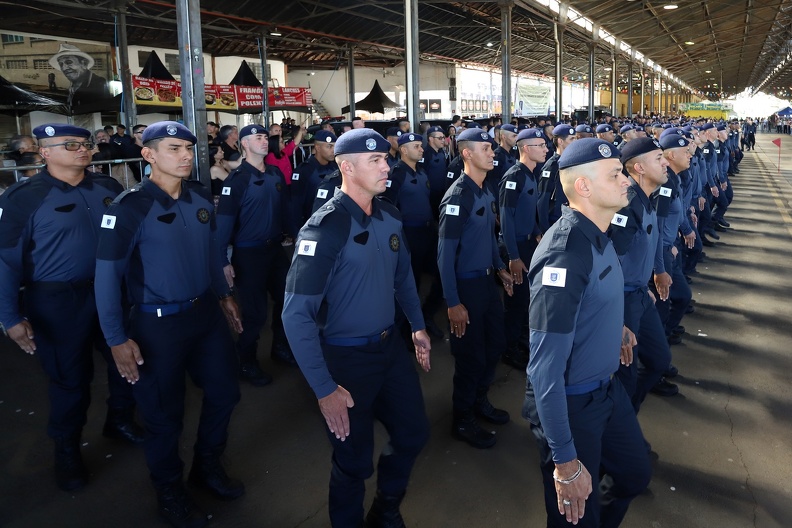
pixel 322 193
pixel 226 191
pixel 511 185
pixel 545 174
pixel 665 191
pixel 108 221
pixel 307 248
pixel 452 210
pixel 554 276
pixel 619 220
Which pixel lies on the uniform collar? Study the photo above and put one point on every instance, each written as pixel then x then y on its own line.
pixel 641 195
pixel 597 238
pixel 86 183
pixel 468 181
pixel 164 198
pixel 407 168
pixel 354 209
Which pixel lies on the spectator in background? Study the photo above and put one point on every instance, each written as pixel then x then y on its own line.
pixel 212 130
pixel 229 137
pixel 357 122
pixel 218 169
pixel 279 154
pixel 101 136
pixel 135 150
pixel 451 146
pixel 20 144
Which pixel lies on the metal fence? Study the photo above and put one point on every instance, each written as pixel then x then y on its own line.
pixel 125 171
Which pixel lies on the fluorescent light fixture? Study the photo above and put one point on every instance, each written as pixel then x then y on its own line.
pixel 670 6
pixel 689 42
pixel 275 33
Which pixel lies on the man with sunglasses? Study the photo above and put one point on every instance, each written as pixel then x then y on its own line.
pixel 48 237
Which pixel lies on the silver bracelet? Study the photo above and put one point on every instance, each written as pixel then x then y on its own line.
pixel 571 479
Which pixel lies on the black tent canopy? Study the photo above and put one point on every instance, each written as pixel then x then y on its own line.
pixel 375 101
pixel 154 69
pixel 17 101
pixel 245 76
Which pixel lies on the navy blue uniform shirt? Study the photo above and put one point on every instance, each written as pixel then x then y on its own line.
pixel 48 232
pixel 517 198
pixel 326 190
pixel 637 239
pixel 305 181
pixel 253 207
pixel 435 164
pixel 576 319
pixel 345 270
pixel 165 249
pixel 466 240
pixel 408 190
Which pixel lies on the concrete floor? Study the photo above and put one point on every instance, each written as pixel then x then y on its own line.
pixel 725 443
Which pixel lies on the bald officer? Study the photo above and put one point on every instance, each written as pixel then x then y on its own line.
pixel 349 259
pixel 48 237
pixel 157 241
pixel 580 414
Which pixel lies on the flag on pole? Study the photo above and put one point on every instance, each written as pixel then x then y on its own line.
pixel 777 142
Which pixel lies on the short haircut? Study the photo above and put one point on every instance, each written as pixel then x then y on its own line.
pixel 226 131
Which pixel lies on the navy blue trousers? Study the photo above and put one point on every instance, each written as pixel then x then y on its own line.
pixel 651 356
pixel 477 353
pixel 673 310
pixel 609 443
pixel 516 307
pixel 384 385
pixel 196 342
pixel 67 329
pixel 259 270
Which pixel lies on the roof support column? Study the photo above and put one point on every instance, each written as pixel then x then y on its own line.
pixel 614 84
pixel 351 79
pixel 652 92
pixel 642 89
pixel 411 52
pixel 188 20
pixel 559 27
pixel 630 88
pixel 592 46
pixel 264 79
pixel 661 110
pixel 130 112
pixel 506 50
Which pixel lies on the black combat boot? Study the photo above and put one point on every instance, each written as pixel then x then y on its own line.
pixel 70 472
pixel 120 425
pixel 384 512
pixel 484 409
pixel 176 507
pixel 465 427
pixel 208 473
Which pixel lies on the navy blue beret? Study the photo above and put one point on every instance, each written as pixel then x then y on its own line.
pixel 324 136
pixel 57 130
pixel 509 128
pixel 409 138
pixel 393 131
pixel 673 141
pixel 586 150
pixel 168 129
pixel 361 140
pixel 563 130
pixel 473 124
pixel 639 128
pixel 531 133
pixel 583 128
pixel 473 134
pixel 657 124
pixel 626 128
pixel 721 128
pixel 639 146
pixel 667 126
pixel 707 126
pixel 601 129
pixel 671 131
pixel 253 129
pixel 435 130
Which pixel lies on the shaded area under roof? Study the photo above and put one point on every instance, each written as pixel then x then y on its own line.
pixel 375 101
pixel 18 101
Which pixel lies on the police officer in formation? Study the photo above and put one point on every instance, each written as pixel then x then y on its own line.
pixel 157 244
pixel 408 189
pixel 435 163
pixel 468 257
pixel 551 193
pixel 504 157
pixel 310 174
pixel 48 237
pixel 349 259
pixel 519 236
pixel 252 215
pixel 638 242
pixel 605 132
pixel 588 435
pixel 392 135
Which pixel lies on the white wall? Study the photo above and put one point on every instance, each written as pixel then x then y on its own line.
pixel 331 88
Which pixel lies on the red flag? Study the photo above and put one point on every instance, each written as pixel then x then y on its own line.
pixel 777 142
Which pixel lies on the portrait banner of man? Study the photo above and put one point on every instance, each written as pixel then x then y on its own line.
pixel 86 86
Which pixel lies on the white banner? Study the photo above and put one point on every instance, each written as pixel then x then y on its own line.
pixel 532 100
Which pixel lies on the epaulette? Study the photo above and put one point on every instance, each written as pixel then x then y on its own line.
pixel 15 187
pixel 128 192
pixel 322 213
